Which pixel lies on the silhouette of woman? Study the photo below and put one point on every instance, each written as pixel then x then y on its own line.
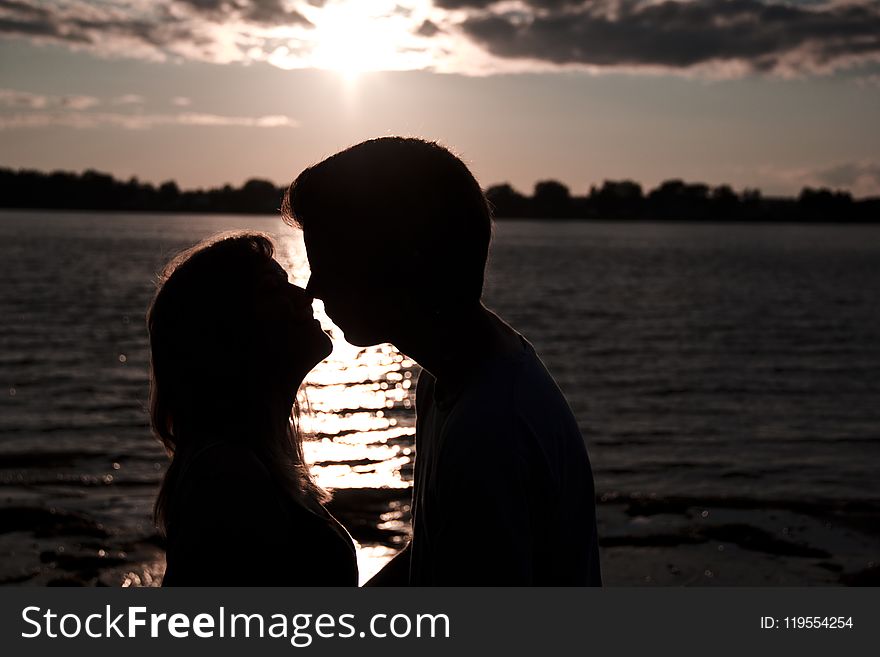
pixel 231 341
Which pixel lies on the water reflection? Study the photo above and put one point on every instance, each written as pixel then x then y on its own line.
pixel 357 404
pixel 357 416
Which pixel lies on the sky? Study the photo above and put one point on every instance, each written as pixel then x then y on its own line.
pixel 764 94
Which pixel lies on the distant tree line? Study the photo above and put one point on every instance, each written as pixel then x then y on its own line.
pixel 93 190
pixel 678 200
pixel 672 200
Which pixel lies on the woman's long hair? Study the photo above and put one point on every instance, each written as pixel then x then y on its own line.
pixel 215 374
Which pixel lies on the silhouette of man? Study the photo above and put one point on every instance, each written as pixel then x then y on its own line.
pixel 397 232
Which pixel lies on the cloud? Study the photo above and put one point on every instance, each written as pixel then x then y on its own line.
pixel 730 35
pixel 79 102
pixel 861 177
pixel 139 121
pixel 107 29
pixel 27 100
pixel 24 110
pixel 267 12
pixel 717 37
pixel 128 99
pixel 428 29
pixel 218 31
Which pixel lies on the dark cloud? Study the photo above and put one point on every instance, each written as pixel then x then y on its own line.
pixel 264 12
pixel 163 30
pixel 851 174
pixel 464 4
pixel 158 34
pixel 272 12
pixel 482 4
pixel 30 20
pixel 675 34
pixel 35 27
pixel 733 36
pixel 24 8
pixel 205 5
pixel 428 29
pixel 60 23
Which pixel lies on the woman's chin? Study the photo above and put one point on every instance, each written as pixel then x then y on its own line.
pixel 317 344
pixel 307 349
pixel 325 345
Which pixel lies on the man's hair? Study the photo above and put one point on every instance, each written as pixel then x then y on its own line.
pixel 405 193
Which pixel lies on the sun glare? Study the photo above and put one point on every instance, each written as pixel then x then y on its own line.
pixel 360 37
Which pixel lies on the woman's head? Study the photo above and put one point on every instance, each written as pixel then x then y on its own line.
pixel 231 341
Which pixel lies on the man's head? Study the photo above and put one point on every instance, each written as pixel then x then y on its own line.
pixel 392 226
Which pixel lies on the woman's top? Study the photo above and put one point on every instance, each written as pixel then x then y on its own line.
pixel 231 524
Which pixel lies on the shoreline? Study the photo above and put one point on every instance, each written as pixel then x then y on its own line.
pixel 501 219
pixel 644 541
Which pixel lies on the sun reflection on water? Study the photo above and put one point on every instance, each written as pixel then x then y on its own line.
pixel 358 424
pixel 359 428
pixel 357 419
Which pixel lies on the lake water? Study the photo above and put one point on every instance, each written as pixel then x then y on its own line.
pixel 703 362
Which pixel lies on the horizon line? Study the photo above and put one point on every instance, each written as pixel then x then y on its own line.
pixel 593 186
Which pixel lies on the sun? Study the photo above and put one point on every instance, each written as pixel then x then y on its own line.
pixel 357 37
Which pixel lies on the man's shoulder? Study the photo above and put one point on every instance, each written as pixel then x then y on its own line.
pixel 516 402
pixel 424 383
pixel 503 396
pixel 510 387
